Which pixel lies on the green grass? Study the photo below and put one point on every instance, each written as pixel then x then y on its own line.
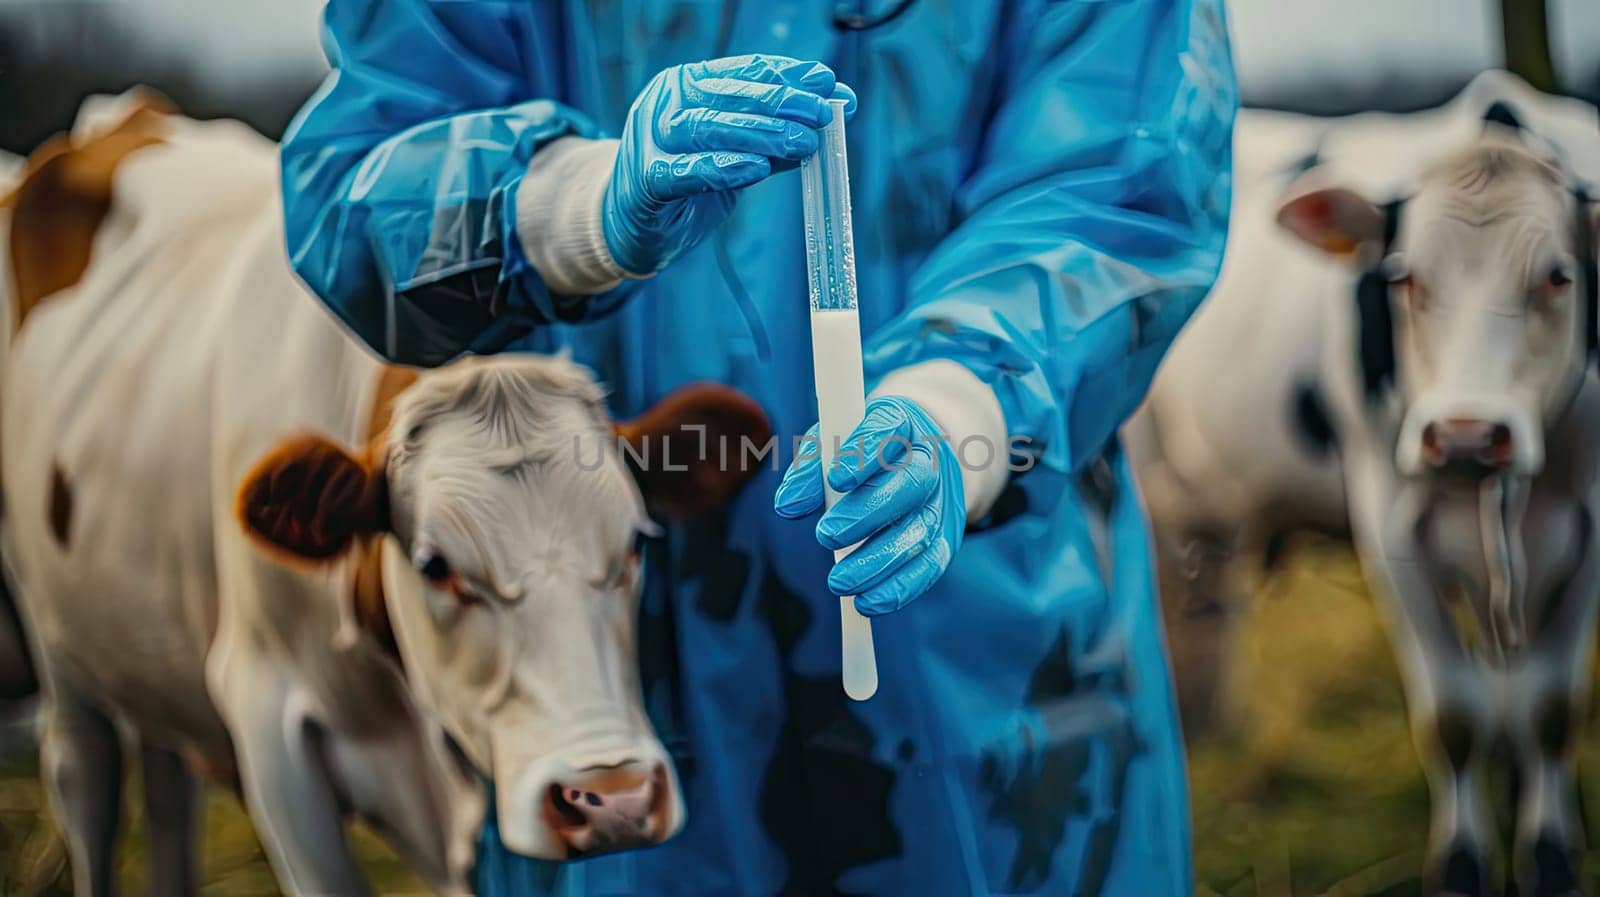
pixel 32 860
pixel 1311 788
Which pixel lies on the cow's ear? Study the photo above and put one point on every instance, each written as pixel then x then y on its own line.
pixel 1336 220
pixel 694 449
pixel 309 499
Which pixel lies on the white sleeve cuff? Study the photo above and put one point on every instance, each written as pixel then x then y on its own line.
pixel 559 217
pixel 969 414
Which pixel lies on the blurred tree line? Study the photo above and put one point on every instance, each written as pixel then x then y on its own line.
pixel 55 53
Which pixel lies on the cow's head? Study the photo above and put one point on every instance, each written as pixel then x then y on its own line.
pixel 1484 275
pixel 512 575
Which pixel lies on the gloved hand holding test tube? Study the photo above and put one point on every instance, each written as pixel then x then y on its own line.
pixel 836 353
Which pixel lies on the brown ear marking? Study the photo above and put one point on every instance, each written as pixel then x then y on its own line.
pixel 309 499
pixel 666 442
pixel 62 198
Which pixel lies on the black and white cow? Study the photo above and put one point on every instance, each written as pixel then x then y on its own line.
pixel 1423 380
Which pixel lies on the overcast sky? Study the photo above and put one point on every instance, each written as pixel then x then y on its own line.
pixel 238 35
pixel 1280 44
pixel 1286 43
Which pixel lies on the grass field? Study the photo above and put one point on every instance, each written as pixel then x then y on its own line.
pixel 32 860
pixel 1317 790
pixel 1314 791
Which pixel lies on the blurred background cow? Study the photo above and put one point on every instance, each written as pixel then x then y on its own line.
pixel 1415 374
pixel 1307 783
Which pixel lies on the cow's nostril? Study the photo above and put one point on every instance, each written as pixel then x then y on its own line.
pixel 564 808
pixel 1431 451
pixel 1500 448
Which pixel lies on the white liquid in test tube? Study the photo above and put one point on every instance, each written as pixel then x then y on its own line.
pixel 836 353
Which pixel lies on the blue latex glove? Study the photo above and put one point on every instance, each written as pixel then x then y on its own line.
pixel 900 490
pixel 698 133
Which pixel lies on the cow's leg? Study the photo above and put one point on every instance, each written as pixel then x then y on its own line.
pixel 171 804
pixel 17 679
pixel 1451 726
pixel 1544 714
pixel 1447 690
pixel 283 771
pixel 1549 832
pixel 1452 730
pixel 1201 605
pixel 81 760
pixel 1451 722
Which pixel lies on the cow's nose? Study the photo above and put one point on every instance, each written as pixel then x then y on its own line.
pixel 611 808
pixel 1467 445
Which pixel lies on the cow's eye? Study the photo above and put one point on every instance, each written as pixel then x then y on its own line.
pixel 1555 285
pixel 435 568
pixel 439 574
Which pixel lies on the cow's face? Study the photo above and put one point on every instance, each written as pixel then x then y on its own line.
pixel 521 527
pixel 1487 292
pixel 512 581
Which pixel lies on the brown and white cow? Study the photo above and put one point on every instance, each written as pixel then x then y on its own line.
pixel 360 589
pixel 1421 372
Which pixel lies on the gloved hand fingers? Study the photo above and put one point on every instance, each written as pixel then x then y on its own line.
pixel 842 91
pixel 879 502
pixel 708 130
pixel 800 492
pixel 690 174
pixel 881 441
pixel 802 73
pixel 759 98
pixel 913 579
pixel 880 558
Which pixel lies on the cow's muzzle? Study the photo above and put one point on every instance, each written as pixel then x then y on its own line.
pixel 610 808
pixel 610 790
pixel 1470 437
pixel 1467 446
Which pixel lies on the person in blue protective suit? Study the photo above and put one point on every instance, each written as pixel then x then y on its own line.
pixel 1040 191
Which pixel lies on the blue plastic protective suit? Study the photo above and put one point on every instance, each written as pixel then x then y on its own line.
pixel 1040 193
